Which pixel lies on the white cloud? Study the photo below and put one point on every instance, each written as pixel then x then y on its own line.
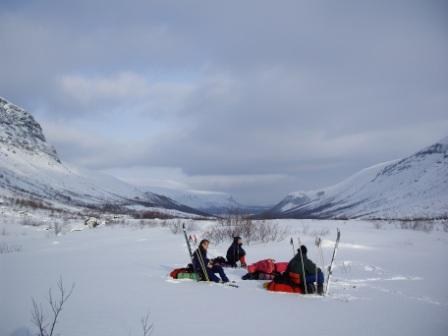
pixel 86 90
pixel 295 99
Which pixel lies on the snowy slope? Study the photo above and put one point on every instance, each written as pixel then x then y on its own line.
pixel 414 187
pixel 386 282
pixel 31 168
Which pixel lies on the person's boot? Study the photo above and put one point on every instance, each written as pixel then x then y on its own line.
pixel 320 289
pixel 311 289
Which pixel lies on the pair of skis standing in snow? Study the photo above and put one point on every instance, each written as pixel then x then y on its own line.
pixel 299 264
pixel 311 273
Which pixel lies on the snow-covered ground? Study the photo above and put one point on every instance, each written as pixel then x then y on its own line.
pixel 388 281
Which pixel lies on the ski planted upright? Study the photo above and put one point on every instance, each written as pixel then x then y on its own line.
pixel 189 249
pixel 330 268
pixel 187 241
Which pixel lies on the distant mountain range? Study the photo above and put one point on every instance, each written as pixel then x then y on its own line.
pixel 415 187
pixel 216 203
pixel 30 169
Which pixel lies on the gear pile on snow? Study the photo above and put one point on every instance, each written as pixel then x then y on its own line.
pixel 184 273
pixel 299 276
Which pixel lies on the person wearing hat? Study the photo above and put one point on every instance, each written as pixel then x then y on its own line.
pixel 236 253
pixel 312 272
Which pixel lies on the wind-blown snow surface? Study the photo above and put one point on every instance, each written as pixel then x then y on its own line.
pixel 414 187
pixel 30 168
pixel 387 282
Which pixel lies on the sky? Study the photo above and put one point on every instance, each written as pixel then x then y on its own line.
pixel 253 98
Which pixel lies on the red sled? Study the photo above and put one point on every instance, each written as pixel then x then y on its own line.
pixel 279 287
pixel 289 283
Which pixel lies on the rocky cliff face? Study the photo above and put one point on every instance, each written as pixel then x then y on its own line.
pixel 20 131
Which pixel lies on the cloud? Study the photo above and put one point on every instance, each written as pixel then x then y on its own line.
pixel 122 86
pixel 258 103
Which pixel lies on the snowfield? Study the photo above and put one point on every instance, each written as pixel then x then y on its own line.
pixel 387 281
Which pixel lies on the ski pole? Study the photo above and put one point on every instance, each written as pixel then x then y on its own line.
pixel 293 249
pixel 315 279
pixel 330 268
pixel 318 243
pixel 319 246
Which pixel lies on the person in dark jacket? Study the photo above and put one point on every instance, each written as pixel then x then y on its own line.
pixel 201 262
pixel 236 253
pixel 312 272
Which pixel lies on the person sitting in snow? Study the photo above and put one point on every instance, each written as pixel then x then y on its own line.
pixel 200 261
pixel 312 272
pixel 236 253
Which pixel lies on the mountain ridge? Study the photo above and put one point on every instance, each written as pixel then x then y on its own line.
pixel 31 169
pixel 413 187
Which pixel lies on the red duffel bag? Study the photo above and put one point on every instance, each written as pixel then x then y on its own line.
pixel 264 266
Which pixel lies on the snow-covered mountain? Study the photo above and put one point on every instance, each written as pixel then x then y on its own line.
pixel 411 188
pixel 212 202
pixel 31 169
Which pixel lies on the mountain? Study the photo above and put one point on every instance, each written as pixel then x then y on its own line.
pixel 415 187
pixel 212 202
pixel 30 169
